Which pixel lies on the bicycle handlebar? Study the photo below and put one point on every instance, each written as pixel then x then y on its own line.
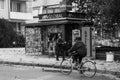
pixel 73 53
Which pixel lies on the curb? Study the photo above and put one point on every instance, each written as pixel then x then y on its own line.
pixel 29 64
pixel 55 68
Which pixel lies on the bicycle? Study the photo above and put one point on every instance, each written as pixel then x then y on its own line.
pixel 87 67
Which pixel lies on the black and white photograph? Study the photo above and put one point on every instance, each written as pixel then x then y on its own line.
pixel 59 40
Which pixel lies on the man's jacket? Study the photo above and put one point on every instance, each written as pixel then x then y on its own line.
pixel 79 47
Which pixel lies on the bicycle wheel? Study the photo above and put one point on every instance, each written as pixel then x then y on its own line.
pixel 88 68
pixel 66 66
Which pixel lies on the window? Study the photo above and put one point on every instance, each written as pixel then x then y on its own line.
pixel 18 7
pixel 1 4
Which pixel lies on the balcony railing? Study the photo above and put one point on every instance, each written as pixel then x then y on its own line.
pixel 63 15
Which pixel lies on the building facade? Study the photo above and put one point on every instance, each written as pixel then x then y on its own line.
pixel 54 17
pixel 18 12
pixel 38 6
pixel 57 16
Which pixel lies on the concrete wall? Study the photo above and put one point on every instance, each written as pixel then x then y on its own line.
pixel 45 2
pixel 51 2
pixel 12 50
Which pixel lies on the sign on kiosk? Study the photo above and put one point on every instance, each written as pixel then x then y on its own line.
pixel 75 33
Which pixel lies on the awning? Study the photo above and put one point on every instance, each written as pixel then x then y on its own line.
pixel 59 21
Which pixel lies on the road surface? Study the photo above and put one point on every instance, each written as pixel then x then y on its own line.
pixel 17 72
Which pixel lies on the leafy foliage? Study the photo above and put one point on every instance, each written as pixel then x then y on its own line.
pixel 8 35
pixel 20 41
pixel 115 10
pixel 109 9
pixel 104 13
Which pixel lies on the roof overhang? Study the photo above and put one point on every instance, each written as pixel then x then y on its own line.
pixel 45 22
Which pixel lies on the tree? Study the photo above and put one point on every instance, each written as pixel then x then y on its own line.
pixel 104 13
pixel 114 11
pixel 109 15
pixel 7 33
pixel 108 9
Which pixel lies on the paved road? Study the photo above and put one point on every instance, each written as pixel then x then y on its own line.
pixel 11 72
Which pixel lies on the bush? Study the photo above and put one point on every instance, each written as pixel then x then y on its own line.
pixel 8 36
pixel 20 41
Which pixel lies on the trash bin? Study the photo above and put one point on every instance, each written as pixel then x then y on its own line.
pixel 109 56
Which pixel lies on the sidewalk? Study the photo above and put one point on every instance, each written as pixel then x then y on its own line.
pixel 20 58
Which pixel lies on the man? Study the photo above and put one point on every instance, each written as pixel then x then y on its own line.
pixel 80 50
pixel 59 47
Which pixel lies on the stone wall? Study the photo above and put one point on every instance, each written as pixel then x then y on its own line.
pixel 33 41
